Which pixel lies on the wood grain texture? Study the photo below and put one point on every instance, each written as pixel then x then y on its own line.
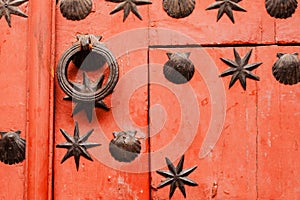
pixel 13 99
pixel 255 155
pixel 232 162
pixel 277 117
pixel 106 178
pixel 39 79
pixel 254 26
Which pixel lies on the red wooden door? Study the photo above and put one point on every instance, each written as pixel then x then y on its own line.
pixel 26 103
pixel 105 177
pixel 244 143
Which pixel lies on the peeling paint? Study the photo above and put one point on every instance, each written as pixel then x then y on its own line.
pixel 269 139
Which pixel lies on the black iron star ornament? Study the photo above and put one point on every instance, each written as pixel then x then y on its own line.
pixel 176 177
pixel 88 106
pixel 8 7
pixel 77 146
pixel 127 6
pixel 226 6
pixel 240 69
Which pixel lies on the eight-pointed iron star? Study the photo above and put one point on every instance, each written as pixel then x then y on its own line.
pixel 226 6
pixel 176 177
pixel 8 7
pixel 127 6
pixel 240 69
pixel 87 87
pixel 77 146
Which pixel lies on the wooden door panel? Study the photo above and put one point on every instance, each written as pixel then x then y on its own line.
pixel 13 99
pixel 106 178
pixel 245 141
pixel 286 31
pixel 254 26
pixel 277 118
pixel 256 153
pixel 232 135
pixel 232 161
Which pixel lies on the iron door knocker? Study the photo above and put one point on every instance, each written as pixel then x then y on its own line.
pixel 87 94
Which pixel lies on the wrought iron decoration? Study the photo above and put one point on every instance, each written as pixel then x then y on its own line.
pixel 240 69
pixel 176 177
pixel 77 146
pixel 88 94
pixel 127 6
pixel 286 69
pixel 75 9
pixel 281 8
pixel 179 68
pixel 12 147
pixel 226 6
pixel 125 147
pixel 88 106
pixel 179 8
pixel 8 7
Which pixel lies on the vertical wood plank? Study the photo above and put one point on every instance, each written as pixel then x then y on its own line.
pixel 13 56
pixel 39 98
pixel 285 30
pixel 278 126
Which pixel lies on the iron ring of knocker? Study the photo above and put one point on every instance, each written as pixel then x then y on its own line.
pixel 91 43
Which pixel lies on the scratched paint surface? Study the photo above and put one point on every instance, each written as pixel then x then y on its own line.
pixel 232 162
pixel 278 116
pixel 105 178
pixel 256 153
pixel 13 99
pixel 254 26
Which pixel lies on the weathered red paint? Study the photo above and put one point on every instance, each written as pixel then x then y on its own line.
pixel 254 26
pixel 255 156
pixel 13 99
pixel 278 132
pixel 39 79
